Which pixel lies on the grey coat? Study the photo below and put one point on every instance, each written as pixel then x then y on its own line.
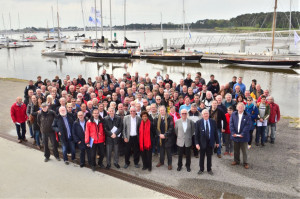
pixel 127 126
pixel 184 138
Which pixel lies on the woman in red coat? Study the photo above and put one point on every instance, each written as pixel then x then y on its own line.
pixel 146 134
pixel 19 117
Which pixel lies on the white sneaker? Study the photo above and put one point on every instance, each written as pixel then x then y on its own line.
pixel 249 146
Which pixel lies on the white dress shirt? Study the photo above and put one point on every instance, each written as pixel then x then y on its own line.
pixel 240 121
pixel 184 125
pixel 133 126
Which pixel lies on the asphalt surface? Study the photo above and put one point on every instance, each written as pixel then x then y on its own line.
pixel 273 172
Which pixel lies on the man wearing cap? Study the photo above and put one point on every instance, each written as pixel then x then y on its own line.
pixel 45 119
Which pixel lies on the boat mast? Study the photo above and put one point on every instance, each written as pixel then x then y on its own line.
pixel 273 29
pixel 183 24
pixel 110 21
pixel 124 19
pixel 4 26
pixel 10 26
pixel 101 18
pixel 161 26
pixel 53 20
pixel 96 24
pixel 82 17
pixel 48 29
pixel 19 21
pixel 58 32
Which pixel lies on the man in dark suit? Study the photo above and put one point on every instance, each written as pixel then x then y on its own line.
pixel 112 129
pixel 79 127
pixel 165 131
pixel 131 126
pixel 63 126
pixel 206 135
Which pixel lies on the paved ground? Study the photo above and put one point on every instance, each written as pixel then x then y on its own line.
pixel 273 173
pixel 25 175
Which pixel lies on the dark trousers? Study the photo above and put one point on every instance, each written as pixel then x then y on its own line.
pixel 19 127
pixel 122 145
pixel 240 146
pixel 109 148
pixel 162 154
pixel 251 137
pixel 260 132
pixel 97 148
pixel 147 158
pixel 156 146
pixel 84 149
pixel 208 152
pixel 195 150
pixel 187 155
pixel 132 144
pixel 54 143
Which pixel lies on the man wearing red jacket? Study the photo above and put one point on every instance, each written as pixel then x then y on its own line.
pixel 273 119
pixel 94 138
pixel 19 117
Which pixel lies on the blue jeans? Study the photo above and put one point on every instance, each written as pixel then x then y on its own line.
pixel 37 137
pixel 71 145
pixel 21 136
pixel 30 126
pixel 260 132
pixel 220 142
pixel 273 132
pixel 155 145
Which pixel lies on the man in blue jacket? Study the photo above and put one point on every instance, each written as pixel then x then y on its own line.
pixel 240 125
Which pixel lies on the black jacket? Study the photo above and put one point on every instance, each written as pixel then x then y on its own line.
pixel 108 125
pixel 200 135
pixel 169 133
pixel 78 133
pixel 45 120
pixel 60 127
pixel 220 116
pixel 27 88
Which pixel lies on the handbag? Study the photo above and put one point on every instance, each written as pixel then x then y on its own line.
pixel 31 119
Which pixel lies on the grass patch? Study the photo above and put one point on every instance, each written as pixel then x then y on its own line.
pixel 13 79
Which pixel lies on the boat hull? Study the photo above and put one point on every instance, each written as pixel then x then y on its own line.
pixel 263 63
pixel 107 55
pixel 175 58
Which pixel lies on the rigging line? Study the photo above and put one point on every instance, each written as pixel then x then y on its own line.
pixel 288 18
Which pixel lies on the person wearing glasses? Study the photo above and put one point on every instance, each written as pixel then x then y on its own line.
pixel 184 130
pixel 131 125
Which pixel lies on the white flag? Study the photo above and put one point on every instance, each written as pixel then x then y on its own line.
pixel 296 38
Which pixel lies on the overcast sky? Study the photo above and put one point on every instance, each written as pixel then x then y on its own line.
pixel 37 12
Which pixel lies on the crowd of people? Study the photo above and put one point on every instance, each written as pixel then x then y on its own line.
pixel 138 116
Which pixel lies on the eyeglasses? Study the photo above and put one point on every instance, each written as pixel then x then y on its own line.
pixel 249 100
pixel 158 99
pixel 183 113
pixel 132 111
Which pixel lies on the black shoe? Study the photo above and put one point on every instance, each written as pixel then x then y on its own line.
pixel 81 165
pixel 93 168
pixel 149 169
pixel 57 158
pixel 262 144
pixel 256 144
pixel 117 165
pixel 101 166
pixel 137 166
pixel 108 166
pixel 46 160
pixel 272 142
pixel 188 169
pixel 200 172
pixel 66 163
pixel 178 168
pixel 126 166
pixel 144 168
pixel 210 172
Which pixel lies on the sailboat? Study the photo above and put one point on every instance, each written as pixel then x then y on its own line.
pixel 105 53
pixel 53 51
pixel 265 63
pixel 179 56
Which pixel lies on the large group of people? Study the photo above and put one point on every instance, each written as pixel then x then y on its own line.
pixel 138 116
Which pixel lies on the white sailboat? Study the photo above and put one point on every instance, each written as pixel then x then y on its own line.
pixel 55 51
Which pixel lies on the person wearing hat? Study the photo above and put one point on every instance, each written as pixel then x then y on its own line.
pixel 45 119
